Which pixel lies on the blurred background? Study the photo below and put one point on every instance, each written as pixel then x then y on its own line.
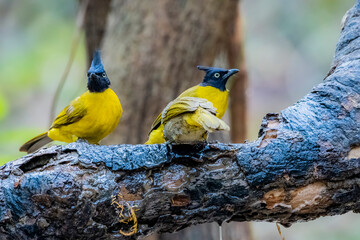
pixel 288 48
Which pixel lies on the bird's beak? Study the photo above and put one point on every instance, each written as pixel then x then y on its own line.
pixel 230 73
pixel 93 76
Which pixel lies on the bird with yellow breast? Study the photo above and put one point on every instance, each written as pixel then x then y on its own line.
pixel 91 117
pixel 196 112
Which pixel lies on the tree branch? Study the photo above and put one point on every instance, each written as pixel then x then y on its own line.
pixel 305 164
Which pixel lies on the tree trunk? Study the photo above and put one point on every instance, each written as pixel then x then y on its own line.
pixel 238 116
pixel 151 49
pixel 95 24
pixel 238 103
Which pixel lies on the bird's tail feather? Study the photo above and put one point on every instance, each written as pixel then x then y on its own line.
pixel 35 143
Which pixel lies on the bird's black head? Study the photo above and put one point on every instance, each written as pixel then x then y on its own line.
pixel 97 78
pixel 216 77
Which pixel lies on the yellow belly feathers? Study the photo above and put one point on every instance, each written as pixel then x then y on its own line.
pixel 102 114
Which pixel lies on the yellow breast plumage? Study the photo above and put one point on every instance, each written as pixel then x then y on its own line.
pixel 99 114
pixel 91 117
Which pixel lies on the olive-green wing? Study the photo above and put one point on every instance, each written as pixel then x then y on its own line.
pixel 203 113
pixel 191 92
pixel 208 121
pixel 70 114
pixel 185 105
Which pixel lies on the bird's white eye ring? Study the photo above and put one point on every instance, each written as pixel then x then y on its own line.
pixel 104 75
pixel 217 75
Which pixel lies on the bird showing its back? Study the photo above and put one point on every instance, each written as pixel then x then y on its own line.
pixel 212 88
pixel 91 117
pixel 189 119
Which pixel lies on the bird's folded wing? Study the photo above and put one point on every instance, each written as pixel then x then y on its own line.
pixel 207 120
pixel 70 114
pixel 185 105
pixel 191 92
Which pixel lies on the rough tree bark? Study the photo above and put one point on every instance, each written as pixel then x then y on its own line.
pixel 305 164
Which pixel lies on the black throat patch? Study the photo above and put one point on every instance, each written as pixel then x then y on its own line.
pixel 97 82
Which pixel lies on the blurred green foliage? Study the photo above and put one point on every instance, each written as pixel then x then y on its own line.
pixel 289 47
pixel 35 45
pixel 4 106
